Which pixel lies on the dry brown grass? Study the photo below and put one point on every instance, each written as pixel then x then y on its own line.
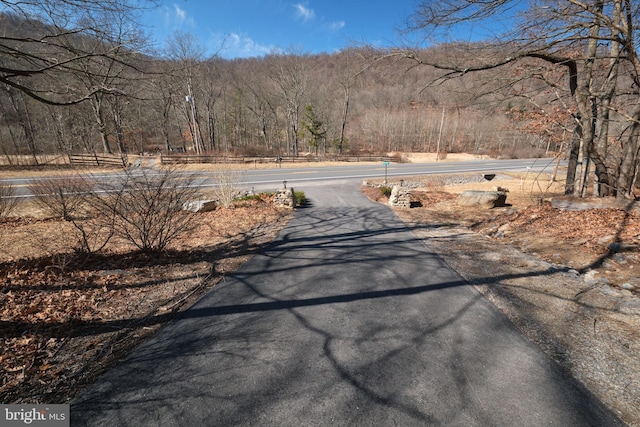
pixel 65 317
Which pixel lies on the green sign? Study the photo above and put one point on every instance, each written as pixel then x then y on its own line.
pixel 386 163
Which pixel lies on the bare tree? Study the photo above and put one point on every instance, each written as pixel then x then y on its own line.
pixel 346 82
pixel 290 74
pixel 41 45
pixel 584 51
pixel 185 50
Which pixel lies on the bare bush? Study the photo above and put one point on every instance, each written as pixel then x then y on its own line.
pixel 8 199
pixel 62 196
pixel 434 183
pixel 69 197
pixel 146 207
pixel 227 184
pixel 92 233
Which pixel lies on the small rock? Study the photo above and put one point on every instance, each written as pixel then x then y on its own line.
pixel 199 206
pixel 112 272
pixel 608 290
pixel 622 247
pixel 619 258
pixel 606 239
pixel 502 189
pixel 580 242
pixel 590 277
pixel 628 286
pixel 573 273
pixel 504 229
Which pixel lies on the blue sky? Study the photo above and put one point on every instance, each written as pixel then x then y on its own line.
pixel 248 28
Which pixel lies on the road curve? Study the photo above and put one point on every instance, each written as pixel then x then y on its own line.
pixel 345 319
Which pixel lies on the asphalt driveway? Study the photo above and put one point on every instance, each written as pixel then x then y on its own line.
pixel 345 319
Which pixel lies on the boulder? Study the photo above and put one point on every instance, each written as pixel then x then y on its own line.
pixel 485 199
pixel 200 206
pixel 568 203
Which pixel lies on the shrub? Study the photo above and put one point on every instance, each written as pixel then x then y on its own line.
pixel 434 183
pixel 61 196
pixel 92 233
pixel 70 197
pixel 8 199
pixel 300 198
pixel 146 208
pixel 386 191
pixel 250 197
pixel 226 183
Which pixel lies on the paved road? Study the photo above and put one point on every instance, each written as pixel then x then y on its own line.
pixel 358 172
pixel 346 319
pixel 271 178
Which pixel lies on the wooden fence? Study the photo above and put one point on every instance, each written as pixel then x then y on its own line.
pixel 195 159
pixel 122 160
pixel 31 160
pixel 102 160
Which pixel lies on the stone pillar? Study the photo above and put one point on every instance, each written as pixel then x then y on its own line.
pixel 285 198
pixel 400 197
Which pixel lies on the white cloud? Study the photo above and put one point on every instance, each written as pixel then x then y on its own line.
pixel 338 25
pixel 177 17
pixel 180 13
pixel 241 46
pixel 303 12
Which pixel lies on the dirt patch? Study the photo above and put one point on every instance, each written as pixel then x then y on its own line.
pixel 432 157
pixel 552 272
pixel 65 318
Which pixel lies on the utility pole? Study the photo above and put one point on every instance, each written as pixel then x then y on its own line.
pixel 440 136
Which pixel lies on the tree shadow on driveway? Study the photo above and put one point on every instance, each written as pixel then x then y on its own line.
pixel 346 318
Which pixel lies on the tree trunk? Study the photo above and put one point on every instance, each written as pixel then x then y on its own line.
pixel 96 105
pixel 629 163
pixel 345 111
pixel 574 153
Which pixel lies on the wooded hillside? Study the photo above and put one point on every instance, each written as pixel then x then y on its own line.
pixel 353 101
pixel 81 78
